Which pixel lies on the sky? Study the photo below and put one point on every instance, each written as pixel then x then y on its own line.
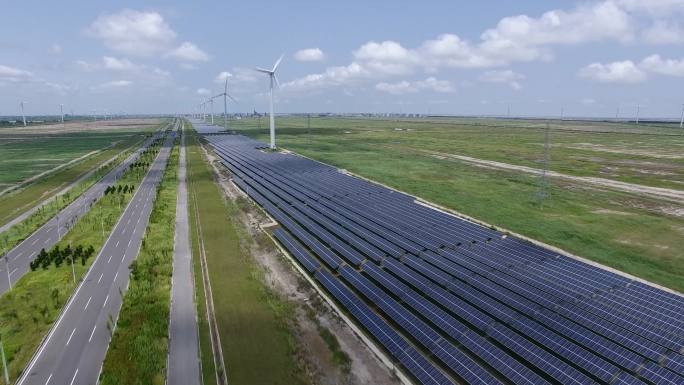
pixel 536 58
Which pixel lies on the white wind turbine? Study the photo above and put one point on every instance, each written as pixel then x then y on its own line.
pixel 61 111
pixel 23 116
pixel 225 95
pixel 273 79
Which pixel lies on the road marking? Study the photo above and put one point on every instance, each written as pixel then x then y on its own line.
pixel 105 302
pixel 48 380
pixel 117 244
pixel 100 279
pixel 12 272
pixel 116 275
pixel 129 242
pixel 71 335
pixel 88 303
pixel 110 258
pixel 91 333
pixel 73 378
pixel 34 242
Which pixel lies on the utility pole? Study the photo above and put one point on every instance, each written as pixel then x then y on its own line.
pixel 4 362
pixel 73 268
pixel 9 279
pixel 543 187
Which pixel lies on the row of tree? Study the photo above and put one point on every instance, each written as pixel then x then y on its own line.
pixel 59 256
pixel 119 189
pixel 139 164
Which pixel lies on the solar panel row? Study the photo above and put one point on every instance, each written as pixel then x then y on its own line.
pixel 474 306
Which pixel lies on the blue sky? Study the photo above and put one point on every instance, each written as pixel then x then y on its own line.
pixel 452 57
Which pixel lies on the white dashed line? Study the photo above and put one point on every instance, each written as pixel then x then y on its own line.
pixel 71 335
pixel 34 241
pixel 117 244
pixel 48 380
pixel 91 334
pixel 116 275
pixel 100 279
pixel 110 258
pixel 88 303
pixel 73 378
pixel 105 302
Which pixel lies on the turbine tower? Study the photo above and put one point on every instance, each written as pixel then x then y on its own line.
pixel 273 79
pixel 225 95
pixel 61 111
pixel 211 101
pixel 23 116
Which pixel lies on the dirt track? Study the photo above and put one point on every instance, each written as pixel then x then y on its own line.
pixel 655 192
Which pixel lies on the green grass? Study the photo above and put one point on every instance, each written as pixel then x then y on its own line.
pixel 14 203
pixel 627 232
pixel 253 322
pixel 28 311
pixel 138 350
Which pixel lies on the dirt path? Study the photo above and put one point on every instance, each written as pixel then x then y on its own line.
pixel 654 192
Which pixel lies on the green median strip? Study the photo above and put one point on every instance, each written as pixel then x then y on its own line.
pixel 28 311
pixel 253 322
pixel 138 350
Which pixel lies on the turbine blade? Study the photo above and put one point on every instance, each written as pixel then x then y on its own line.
pixel 263 70
pixel 232 98
pixel 277 63
pixel 276 80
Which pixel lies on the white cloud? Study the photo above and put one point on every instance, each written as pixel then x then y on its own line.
pixel 134 32
pixel 114 64
pixel 588 101
pixel 615 72
pixel 405 87
pixel 399 88
pixel 115 84
pixel 664 32
pixel 11 74
pixel 222 76
pixel 669 67
pixel 203 91
pixel 188 52
pixel 333 76
pixel 55 49
pixel 503 76
pixel 309 54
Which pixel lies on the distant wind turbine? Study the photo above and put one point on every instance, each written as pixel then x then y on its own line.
pixel 23 116
pixel 225 95
pixel 273 79
pixel 61 111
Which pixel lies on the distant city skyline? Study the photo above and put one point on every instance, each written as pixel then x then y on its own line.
pixel 587 58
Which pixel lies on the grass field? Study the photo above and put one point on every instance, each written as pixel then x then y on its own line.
pixel 28 156
pixel 29 309
pixel 138 350
pixel 639 235
pixel 253 321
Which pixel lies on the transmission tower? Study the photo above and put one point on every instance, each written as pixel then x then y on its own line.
pixel 543 192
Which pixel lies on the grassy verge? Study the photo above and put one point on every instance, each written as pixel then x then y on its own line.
pixel 138 350
pixel 28 311
pixel 16 202
pixel 637 235
pixel 253 321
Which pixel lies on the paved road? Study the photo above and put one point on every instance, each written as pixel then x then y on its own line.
pixel 51 232
pixel 73 351
pixel 183 365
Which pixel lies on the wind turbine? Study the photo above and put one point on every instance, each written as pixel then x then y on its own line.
pixel 211 101
pixel 273 78
pixel 225 95
pixel 23 116
pixel 61 111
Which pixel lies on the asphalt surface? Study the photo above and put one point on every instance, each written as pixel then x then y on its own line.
pixel 183 365
pixel 19 258
pixel 73 351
